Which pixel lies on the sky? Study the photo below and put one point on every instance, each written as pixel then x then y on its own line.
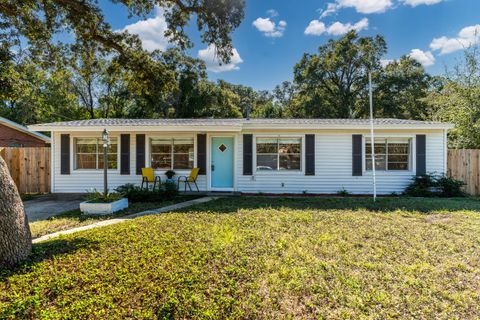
pixel 276 33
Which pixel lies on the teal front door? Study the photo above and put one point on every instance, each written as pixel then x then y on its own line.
pixel 222 162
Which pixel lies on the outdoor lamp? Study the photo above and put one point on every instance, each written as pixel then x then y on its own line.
pixel 105 137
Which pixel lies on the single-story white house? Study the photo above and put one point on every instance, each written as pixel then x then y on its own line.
pixel 316 156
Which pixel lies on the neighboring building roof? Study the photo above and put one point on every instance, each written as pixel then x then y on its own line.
pixel 237 124
pixel 24 129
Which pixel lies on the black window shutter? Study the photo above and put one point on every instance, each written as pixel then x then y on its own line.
pixel 356 155
pixel 421 154
pixel 124 154
pixel 247 154
pixel 65 154
pixel 309 154
pixel 202 153
pixel 140 153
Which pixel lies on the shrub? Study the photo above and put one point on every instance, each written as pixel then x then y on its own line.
pixel 126 188
pixel 429 185
pixel 136 194
pixel 343 192
pixel 100 197
pixel 421 186
pixel 167 191
pixel 170 174
pixel 450 187
pixel 171 190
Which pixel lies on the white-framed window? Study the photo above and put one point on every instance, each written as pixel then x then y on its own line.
pixel 89 153
pixel 172 153
pixel 391 154
pixel 279 153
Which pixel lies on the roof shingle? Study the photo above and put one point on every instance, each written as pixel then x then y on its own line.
pixel 231 122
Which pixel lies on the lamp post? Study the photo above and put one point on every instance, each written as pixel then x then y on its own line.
pixel 106 141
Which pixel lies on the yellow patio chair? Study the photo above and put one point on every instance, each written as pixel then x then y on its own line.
pixel 192 178
pixel 148 176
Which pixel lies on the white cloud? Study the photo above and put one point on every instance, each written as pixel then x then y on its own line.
pixel 264 24
pixel 317 27
pixel 331 8
pixel 415 3
pixel 385 62
pixel 339 28
pixel 425 58
pixel 151 31
pixel 269 28
pixel 361 6
pixel 371 6
pixel 366 6
pixel 467 37
pixel 213 63
pixel 272 13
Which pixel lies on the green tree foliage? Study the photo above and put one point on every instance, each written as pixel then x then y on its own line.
pixel 36 93
pixel 129 72
pixel 214 101
pixel 94 78
pixel 283 96
pixel 331 82
pixel 400 89
pixel 40 21
pixel 88 65
pixel 334 82
pixel 188 74
pixel 247 96
pixel 457 99
pixel 6 72
pixel 117 101
pixel 28 84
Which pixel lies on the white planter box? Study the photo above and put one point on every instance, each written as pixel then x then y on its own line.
pixel 103 208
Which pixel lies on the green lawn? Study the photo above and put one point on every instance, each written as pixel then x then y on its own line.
pixel 262 258
pixel 74 218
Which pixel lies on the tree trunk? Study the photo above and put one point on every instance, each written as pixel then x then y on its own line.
pixel 15 237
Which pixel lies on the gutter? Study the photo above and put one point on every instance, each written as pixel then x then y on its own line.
pixel 246 126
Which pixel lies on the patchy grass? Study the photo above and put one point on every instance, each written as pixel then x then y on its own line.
pixel 74 218
pixel 27 196
pixel 262 258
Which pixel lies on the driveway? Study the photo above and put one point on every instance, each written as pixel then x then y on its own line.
pixel 43 207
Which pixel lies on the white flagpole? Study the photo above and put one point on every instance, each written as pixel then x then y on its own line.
pixel 372 137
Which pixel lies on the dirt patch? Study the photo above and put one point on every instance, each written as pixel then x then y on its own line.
pixel 438 218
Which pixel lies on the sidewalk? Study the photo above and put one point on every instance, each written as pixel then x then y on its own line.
pixel 46 206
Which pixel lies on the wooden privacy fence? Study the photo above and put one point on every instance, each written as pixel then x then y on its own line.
pixel 464 165
pixel 29 168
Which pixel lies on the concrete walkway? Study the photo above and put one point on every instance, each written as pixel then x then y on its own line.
pixel 126 218
pixel 44 207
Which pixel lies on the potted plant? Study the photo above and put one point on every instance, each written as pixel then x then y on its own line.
pixel 100 203
pixel 170 174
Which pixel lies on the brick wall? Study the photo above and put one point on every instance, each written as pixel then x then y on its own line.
pixel 10 137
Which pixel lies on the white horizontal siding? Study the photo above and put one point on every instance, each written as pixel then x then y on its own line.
pixel 79 181
pixel 333 168
pixel 435 153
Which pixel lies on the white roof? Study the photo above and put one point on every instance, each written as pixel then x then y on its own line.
pixel 233 124
pixel 24 129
